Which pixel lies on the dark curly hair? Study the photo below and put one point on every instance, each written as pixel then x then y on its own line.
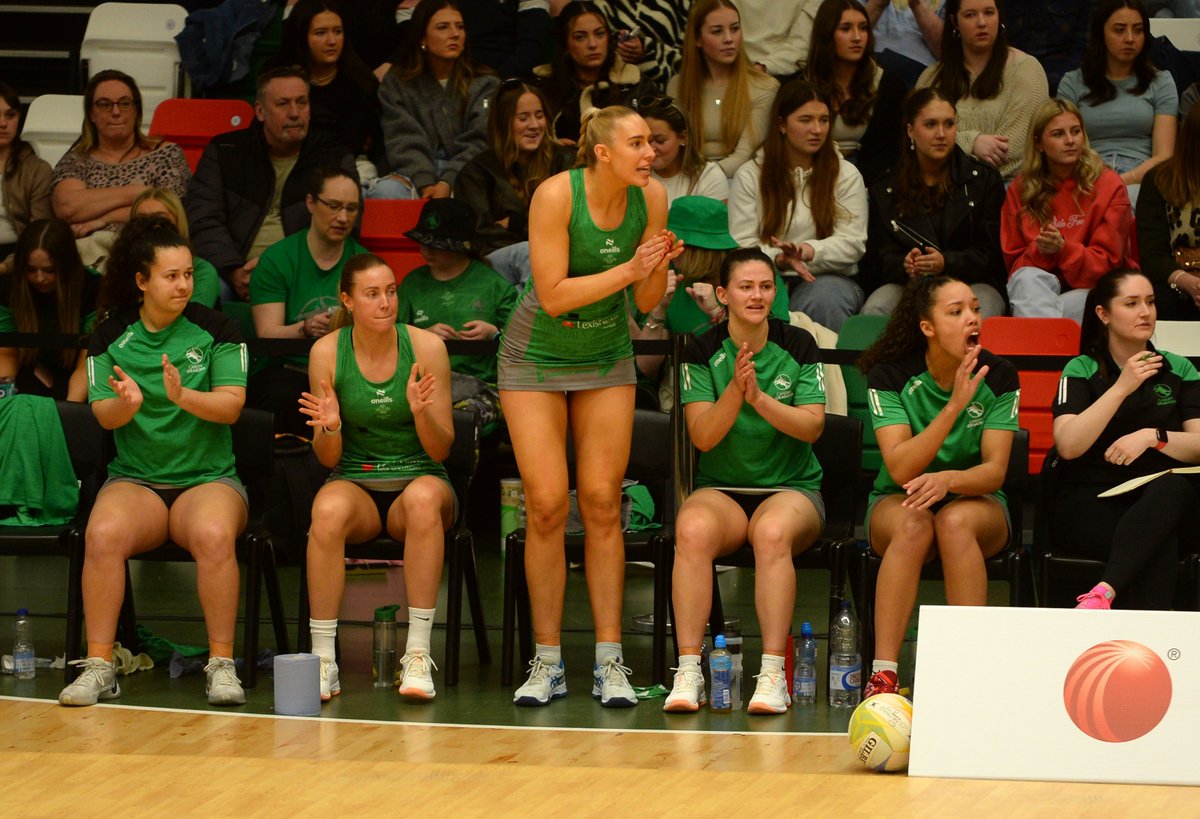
pixel 133 253
pixel 902 337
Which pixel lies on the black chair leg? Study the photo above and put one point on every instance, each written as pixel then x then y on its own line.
pixel 509 625
pixel 74 602
pixel 253 614
pixel 716 615
pixel 1043 561
pixel 471 577
pixel 524 613
pixel 454 548
pixel 275 601
pixel 303 637
pixel 663 560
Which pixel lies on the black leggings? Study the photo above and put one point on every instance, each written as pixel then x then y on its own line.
pixel 1137 534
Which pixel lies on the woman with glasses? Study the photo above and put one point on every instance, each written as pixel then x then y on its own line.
pixel 294 291
pixel 587 72
pixel 728 99
pixel 24 179
pixel 678 163
pixel 111 163
pixel 499 183
pixel 866 99
pixel 434 106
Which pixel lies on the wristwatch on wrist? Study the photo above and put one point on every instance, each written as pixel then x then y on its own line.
pixel 1161 434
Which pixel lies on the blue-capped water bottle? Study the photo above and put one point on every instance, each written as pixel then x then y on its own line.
pixel 720 671
pixel 845 663
pixel 804 678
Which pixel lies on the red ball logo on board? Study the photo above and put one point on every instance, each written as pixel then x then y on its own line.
pixel 1117 691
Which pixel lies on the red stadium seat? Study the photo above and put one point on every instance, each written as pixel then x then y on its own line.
pixel 1034 336
pixel 191 124
pixel 402 262
pixel 384 222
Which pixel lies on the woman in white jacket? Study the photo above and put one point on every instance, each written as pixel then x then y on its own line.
pixel 804 206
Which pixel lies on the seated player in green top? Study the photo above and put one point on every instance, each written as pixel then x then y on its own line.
pixel 456 296
pixel 944 412
pixel 379 407
pixel 49 291
pixel 294 291
pixel 168 378
pixel 753 391
pixel 206 283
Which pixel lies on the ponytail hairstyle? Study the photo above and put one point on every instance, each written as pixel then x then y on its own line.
pixel 902 337
pixel 743 255
pixel 54 237
pixel 350 270
pixel 1093 333
pixel 597 127
pixel 952 77
pixel 1038 187
pixel 822 57
pixel 133 255
pixel 776 184
pixel 523 176
pixel 912 194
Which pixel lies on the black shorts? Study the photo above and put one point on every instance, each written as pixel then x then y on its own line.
pixel 383 500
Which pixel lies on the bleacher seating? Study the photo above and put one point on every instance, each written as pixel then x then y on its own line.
pixel 53 124
pixel 139 39
pixel 384 222
pixel 1183 32
pixel 190 123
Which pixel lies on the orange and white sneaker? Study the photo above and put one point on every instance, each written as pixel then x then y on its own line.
pixel 770 694
pixel 882 682
pixel 415 678
pixel 687 691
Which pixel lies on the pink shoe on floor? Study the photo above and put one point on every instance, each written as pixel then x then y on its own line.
pixel 1099 597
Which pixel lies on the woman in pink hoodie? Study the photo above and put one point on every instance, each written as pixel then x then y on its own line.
pixel 1066 219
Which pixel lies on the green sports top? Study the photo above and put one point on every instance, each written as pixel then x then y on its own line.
pixel 596 335
pixel 379 436
pixel 903 392
pixel 754 454
pixel 164 444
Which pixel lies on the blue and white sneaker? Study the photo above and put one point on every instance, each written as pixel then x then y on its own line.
pixel 610 684
pixel 545 683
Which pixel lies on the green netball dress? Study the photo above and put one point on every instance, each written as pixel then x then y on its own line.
pixel 589 347
pixel 380 447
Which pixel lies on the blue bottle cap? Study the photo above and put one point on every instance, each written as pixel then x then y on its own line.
pixel 719 641
pixel 806 629
pixel 22 612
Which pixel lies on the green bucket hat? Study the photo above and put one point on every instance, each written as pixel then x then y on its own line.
pixel 701 221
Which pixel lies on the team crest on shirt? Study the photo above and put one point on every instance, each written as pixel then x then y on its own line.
pixel 783 387
pixel 975 413
pixel 1164 393
pixel 195 359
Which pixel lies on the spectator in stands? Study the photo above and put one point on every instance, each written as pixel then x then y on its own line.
pixel 499 183
pixel 937 212
pixel 434 106
pixel 510 38
pixel 111 163
pixel 866 99
pixel 944 412
pixel 455 296
pixel 1126 410
pixel 1128 105
pixel 994 88
pixel 343 94
pixel 805 207
pixel 250 186
pixel 908 35
pixel 1066 219
pixel 49 291
pixel 1168 226
pixel 168 378
pixel 587 72
pixel 24 179
pixel 778 36
pixel 294 290
pixel 728 101
pixel 649 34
pixel 678 163
pixel 206 284
pixel 1053 31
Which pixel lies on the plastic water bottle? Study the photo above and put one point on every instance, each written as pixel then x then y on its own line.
pixel 733 641
pixel 845 663
pixel 24 658
pixel 720 671
pixel 804 683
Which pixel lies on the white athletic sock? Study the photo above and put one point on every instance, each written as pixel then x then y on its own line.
pixel 772 663
pixel 688 659
pixel 324 637
pixel 606 650
pixel 884 665
pixel 551 655
pixel 420 626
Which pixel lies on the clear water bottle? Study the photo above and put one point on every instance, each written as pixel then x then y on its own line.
pixel 733 641
pixel 804 680
pixel 24 658
pixel 720 671
pixel 845 663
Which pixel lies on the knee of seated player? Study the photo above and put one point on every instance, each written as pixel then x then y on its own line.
pixel 697 534
pixel 913 535
pixel 109 537
pixel 331 514
pixel 421 501
pixel 211 540
pixel 956 529
pixel 773 538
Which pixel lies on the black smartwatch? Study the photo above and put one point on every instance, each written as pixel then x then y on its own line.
pixel 1162 438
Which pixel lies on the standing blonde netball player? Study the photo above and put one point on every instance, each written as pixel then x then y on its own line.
pixel 594 232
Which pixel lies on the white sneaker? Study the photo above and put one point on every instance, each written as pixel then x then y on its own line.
pixel 610 684
pixel 415 679
pixel 687 692
pixel 330 687
pixel 771 694
pixel 545 683
pixel 97 681
pixel 222 684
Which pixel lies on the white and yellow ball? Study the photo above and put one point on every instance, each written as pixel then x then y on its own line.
pixel 880 729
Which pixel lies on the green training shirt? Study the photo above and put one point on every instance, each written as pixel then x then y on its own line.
pixel 164 444
pixel 477 294
pixel 903 392
pixel 753 453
